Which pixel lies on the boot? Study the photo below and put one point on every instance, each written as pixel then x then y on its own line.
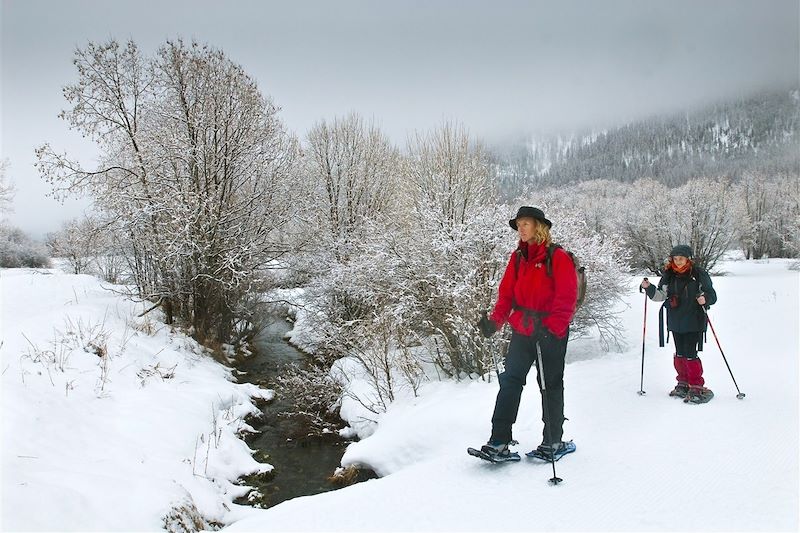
pixel 698 395
pixel 499 451
pixel 554 451
pixel 680 390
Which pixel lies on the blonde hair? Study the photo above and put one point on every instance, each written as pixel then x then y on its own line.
pixel 541 232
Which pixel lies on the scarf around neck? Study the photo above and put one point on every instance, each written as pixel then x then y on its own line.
pixel 680 270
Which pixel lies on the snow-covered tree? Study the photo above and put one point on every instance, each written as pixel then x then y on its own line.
pixel 651 218
pixel 7 190
pixel 771 206
pixel 353 168
pixel 448 171
pixel 18 250
pixel 708 217
pixel 791 186
pixel 646 224
pixel 78 241
pixel 196 169
pixel 597 201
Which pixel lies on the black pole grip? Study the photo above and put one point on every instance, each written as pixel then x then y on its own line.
pixel 640 285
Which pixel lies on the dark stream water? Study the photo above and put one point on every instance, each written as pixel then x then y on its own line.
pixel 302 465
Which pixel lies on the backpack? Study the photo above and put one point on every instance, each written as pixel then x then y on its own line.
pixel 580 271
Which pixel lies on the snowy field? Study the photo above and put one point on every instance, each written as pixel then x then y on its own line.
pixel 115 442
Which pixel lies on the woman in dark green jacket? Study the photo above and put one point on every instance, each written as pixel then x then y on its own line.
pixel 687 292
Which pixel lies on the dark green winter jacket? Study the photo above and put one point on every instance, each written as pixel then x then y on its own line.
pixel 679 293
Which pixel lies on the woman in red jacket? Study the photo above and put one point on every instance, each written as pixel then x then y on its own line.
pixel 538 300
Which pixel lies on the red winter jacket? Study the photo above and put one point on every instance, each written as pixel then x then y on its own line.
pixel 555 296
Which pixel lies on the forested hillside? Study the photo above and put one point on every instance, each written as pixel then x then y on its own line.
pixel 759 133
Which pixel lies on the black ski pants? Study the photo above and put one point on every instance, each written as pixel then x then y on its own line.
pixel 686 344
pixel 521 355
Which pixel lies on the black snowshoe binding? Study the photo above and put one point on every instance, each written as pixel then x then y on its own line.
pixel 496 452
pixel 548 453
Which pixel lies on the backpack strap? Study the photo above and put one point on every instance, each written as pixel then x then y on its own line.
pixel 697 274
pixel 548 259
pixel 517 258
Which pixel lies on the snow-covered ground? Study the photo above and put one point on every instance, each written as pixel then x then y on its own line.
pixel 112 442
pixel 114 447
pixel 643 462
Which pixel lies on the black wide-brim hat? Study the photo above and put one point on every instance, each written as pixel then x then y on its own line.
pixel 533 212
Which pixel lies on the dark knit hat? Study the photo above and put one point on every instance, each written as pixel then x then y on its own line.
pixel 683 250
pixel 527 211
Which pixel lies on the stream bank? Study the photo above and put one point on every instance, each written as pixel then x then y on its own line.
pixel 303 464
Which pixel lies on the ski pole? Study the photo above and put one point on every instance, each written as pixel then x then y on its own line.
pixel 644 331
pixel 499 367
pixel 740 394
pixel 555 480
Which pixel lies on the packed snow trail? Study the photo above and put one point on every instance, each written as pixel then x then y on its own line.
pixel 643 462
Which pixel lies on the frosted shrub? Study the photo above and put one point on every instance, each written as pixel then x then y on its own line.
pixel 315 397
pixel 18 250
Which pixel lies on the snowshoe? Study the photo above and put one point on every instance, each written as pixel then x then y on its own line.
pixel 495 452
pixel 698 395
pixel 680 390
pixel 545 452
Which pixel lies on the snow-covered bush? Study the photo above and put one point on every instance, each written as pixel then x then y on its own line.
pixel 709 217
pixel 92 245
pixel 650 219
pixel 78 241
pixel 448 276
pixel 424 265
pixel 772 206
pixel 448 245
pixel 18 250
pixel 7 190
pixel 315 396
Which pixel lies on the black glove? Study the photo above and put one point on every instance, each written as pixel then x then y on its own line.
pixel 487 326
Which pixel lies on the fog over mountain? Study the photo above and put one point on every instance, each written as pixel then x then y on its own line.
pixel 756 134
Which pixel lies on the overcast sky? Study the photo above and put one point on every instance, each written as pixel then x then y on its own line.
pixel 499 66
